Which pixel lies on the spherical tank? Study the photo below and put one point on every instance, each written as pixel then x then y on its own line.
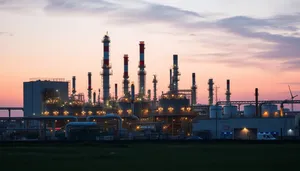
pixel 230 111
pixel 269 110
pixel 215 111
pixel 249 111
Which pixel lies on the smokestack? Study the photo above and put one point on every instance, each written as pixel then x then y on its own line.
pixel 154 88
pixel 125 76
pixel 256 101
pixel 94 98
pixel 141 71
pixel 73 85
pixel 228 93
pixel 116 91
pixel 90 87
pixel 99 96
pixel 175 73
pixel 194 89
pixel 132 98
pixel 106 70
pixel 132 93
pixel 210 91
pixel 171 82
pixel 149 95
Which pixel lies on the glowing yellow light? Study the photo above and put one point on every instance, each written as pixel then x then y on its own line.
pixel 46 113
pixel 138 127
pixel 146 111
pixel 90 112
pixel 245 130
pixel 170 109
pixel 129 111
pixel 55 113
pixel 120 112
pixel 83 113
pixel 160 109
pixel 68 120
pixel 265 114
pixel 94 120
pixel 188 109
pixel 66 113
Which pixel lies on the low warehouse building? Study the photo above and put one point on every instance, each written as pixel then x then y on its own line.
pixel 245 128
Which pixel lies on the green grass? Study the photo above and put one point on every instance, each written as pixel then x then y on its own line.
pixel 156 157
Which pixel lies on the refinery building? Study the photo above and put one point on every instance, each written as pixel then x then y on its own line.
pixel 55 105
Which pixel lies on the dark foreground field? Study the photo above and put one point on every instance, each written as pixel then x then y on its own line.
pixel 149 156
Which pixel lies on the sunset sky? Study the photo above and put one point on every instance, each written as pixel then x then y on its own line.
pixel 253 43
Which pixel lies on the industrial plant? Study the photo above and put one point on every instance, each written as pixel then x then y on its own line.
pixel 54 109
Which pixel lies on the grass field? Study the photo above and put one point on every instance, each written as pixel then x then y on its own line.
pixel 149 156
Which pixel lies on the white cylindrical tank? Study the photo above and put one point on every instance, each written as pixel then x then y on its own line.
pixel 229 111
pixel 268 110
pixel 215 111
pixel 249 111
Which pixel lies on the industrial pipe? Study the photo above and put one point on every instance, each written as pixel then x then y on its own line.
pixel 210 92
pixel 89 87
pixel 175 73
pixel 106 70
pixel 228 93
pixel 194 89
pixel 125 76
pixel 73 85
pixel 94 98
pixel 116 91
pixel 171 81
pixel 141 72
pixel 256 101
pixel 154 90
pixel 67 127
pixel 88 119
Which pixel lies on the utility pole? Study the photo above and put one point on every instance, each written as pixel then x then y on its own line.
pixel 216 88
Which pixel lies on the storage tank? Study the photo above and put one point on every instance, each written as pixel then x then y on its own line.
pixel 268 110
pixel 249 111
pixel 230 111
pixel 215 111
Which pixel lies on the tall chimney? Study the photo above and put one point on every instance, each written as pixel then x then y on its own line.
pixel 171 81
pixel 228 93
pixel 126 76
pixel 132 93
pixel 132 98
pixel 73 85
pixel 256 102
pixel 210 91
pixel 149 95
pixel 94 98
pixel 141 72
pixel 154 88
pixel 90 87
pixel 194 89
pixel 106 71
pixel 99 96
pixel 175 73
pixel 116 91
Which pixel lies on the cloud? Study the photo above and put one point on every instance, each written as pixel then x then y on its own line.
pixel 280 32
pixel 225 59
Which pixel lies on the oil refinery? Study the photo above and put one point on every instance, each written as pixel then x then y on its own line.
pixel 54 108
